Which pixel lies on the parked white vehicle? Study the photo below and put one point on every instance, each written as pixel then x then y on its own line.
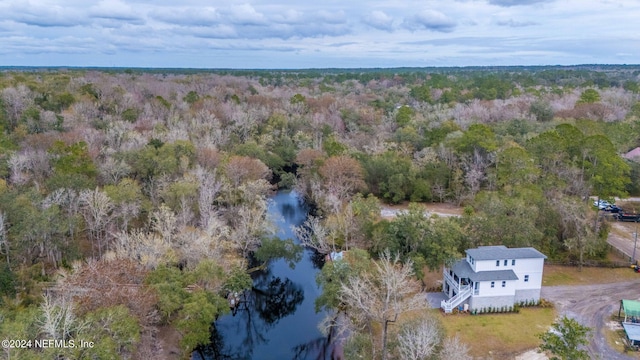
pixel 601 204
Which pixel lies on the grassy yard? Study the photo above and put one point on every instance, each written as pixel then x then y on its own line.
pixel 566 275
pixel 500 336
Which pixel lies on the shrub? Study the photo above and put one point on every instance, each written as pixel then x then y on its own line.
pixel 545 303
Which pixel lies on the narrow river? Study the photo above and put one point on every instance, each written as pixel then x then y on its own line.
pixel 278 319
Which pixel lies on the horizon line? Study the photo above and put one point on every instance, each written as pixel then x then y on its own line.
pixel 375 68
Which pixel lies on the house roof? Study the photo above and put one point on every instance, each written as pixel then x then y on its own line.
pixel 503 252
pixel 633 154
pixel 632 330
pixel 464 270
pixel 631 307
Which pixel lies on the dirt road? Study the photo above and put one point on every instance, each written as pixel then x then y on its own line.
pixel 593 305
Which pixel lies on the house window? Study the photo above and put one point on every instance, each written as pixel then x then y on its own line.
pixel 526 278
pixel 513 262
pixel 504 284
pixel 505 262
pixel 493 284
pixel 497 262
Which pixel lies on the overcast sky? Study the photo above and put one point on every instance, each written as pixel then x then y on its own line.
pixel 285 34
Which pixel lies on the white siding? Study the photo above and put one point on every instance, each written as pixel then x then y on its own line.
pixel 498 290
pixel 531 267
pixel 486 265
pixel 522 267
pixel 490 265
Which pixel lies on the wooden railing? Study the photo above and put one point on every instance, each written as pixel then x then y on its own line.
pixel 452 282
pixel 449 305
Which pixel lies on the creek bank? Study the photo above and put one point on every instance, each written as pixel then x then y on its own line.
pixel 277 318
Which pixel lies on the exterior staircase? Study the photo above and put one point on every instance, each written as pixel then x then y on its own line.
pixel 449 305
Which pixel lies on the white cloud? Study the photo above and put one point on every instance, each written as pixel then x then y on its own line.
pixel 516 23
pixel 328 33
pixel 187 15
pixel 246 14
pixel 42 15
pixel 431 20
pixel 289 16
pixel 331 17
pixel 213 32
pixel 113 9
pixel 379 20
pixel 516 2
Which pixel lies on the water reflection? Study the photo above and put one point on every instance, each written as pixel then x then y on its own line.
pixel 320 348
pixel 278 299
pixel 270 300
pixel 288 211
pixel 317 260
pixel 277 319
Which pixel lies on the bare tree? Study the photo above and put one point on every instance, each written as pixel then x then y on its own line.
pixel 454 348
pixel 209 187
pixel 418 340
pixel 184 214
pixel 96 210
pixel 312 233
pixel 112 171
pixel 343 224
pixel 164 222
pixel 58 320
pixel 29 165
pixel 19 165
pixel 147 249
pixel 254 191
pixel 456 186
pixel 4 241
pixel 250 224
pixel 438 189
pixel 151 248
pixel 194 244
pixel 16 101
pixel 381 295
pixel 475 171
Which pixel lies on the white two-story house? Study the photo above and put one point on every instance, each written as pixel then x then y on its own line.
pixel 494 277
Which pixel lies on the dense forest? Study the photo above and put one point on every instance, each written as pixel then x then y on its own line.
pixel 136 199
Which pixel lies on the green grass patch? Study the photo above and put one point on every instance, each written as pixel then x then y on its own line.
pixel 555 275
pixel 615 339
pixel 500 335
pixel 558 278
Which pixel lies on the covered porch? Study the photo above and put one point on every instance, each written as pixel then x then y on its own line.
pixel 457 285
pixel 458 278
pixel 453 284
